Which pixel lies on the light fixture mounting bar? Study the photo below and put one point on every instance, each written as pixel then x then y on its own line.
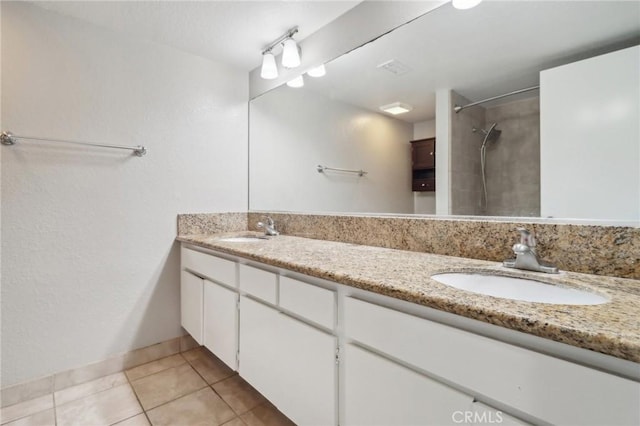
pixel 290 32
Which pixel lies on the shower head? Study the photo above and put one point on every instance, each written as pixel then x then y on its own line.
pixel 490 135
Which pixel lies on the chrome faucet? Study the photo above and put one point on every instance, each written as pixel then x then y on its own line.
pixel 526 257
pixel 269 226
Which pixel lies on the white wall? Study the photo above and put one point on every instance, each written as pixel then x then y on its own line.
pixel 90 266
pixel 424 202
pixel 590 138
pixel 443 141
pixel 294 130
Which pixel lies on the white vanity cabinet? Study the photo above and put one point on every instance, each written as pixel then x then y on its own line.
pixel 328 354
pixel 191 288
pixel 209 303
pixel 289 361
pixel 540 386
pixel 381 392
pixel 220 330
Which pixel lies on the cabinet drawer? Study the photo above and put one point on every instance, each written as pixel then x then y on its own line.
pixel 428 184
pixel 548 388
pixel 258 283
pixel 215 268
pixel 309 301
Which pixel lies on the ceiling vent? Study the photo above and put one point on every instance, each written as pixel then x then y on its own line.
pixel 394 67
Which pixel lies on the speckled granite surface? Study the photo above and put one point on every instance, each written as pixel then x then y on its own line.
pixel 600 250
pixel 211 223
pixel 612 328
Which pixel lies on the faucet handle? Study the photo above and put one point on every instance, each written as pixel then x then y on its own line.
pixel 527 237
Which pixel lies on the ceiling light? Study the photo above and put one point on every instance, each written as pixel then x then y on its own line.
pixel 396 108
pixel 290 53
pixel 269 69
pixel 317 71
pixel 465 4
pixel 296 82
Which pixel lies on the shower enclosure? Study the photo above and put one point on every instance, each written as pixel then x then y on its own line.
pixel 495 158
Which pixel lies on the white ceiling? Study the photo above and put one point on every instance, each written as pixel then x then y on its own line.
pixel 231 32
pixel 497 47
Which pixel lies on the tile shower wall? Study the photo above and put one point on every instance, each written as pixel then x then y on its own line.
pixel 513 161
pixel 466 180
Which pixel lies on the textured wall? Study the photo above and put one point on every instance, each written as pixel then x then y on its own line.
pixel 90 267
pixel 294 130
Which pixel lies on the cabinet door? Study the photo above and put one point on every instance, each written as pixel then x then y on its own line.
pixel 291 363
pixel 307 373
pixel 380 392
pixel 221 322
pixel 259 350
pixel 423 154
pixel 191 305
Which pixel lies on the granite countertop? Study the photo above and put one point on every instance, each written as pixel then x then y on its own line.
pixel 612 328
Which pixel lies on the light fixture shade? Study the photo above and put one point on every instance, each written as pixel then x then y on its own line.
pixel 290 54
pixel 465 4
pixel 396 108
pixel 296 82
pixel 317 71
pixel 269 69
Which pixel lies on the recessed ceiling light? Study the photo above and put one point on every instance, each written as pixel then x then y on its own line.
pixel 317 71
pixel 296 82
pixel 465 4
pixel 396 108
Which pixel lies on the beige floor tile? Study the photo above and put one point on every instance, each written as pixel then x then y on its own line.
pixel 26 408
pixel 203 407
pixel 238 394
pixel 89 388
pixel 235 422
pixel 139 420
pixel 103 408
pixel 210 367
pixel 266 415
pixel 167 385
pixel 155 367
pixel 43 418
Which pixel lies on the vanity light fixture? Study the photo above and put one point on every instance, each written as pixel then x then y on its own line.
pixel 317 71
pixel 296 82
pixel 290 55
pixel 465 4
pixel 269 69
pixel 396 108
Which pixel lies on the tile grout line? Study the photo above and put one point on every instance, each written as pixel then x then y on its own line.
pixel 137 399
pixel 55 407
pixel 210 385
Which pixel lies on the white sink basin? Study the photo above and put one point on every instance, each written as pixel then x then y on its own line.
pixel 243 239
pixel 519 289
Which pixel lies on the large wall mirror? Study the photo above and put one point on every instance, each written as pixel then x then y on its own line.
pixel 559 151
